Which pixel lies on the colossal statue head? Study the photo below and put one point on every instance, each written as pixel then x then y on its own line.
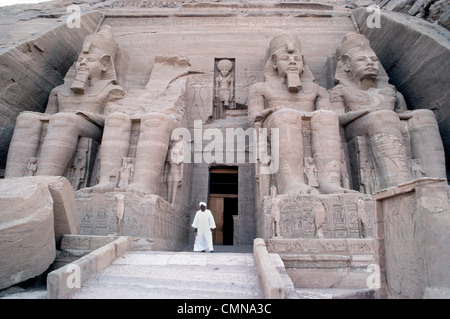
pixel 286 61
pixel 286 54
pixel 96 60
pixel 356 59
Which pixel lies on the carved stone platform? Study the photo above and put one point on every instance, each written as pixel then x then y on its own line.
pixel 327 263
pixel 148 217
pixel 340 256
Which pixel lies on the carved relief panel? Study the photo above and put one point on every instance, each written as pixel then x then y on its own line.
pixel 343 216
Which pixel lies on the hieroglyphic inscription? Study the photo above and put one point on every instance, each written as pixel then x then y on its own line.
pixel 305 23
pixel 323 246
pixel 341 215
pixel 404 262
pixel 146 216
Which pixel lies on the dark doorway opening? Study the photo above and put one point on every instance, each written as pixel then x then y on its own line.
pixel 223 202
pixel 230 208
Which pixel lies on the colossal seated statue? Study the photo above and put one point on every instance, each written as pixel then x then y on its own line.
pixel 159 109
pixel 374 109
pixel 74 110
pixel 287 100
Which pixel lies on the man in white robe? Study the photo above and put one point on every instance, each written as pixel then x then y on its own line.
pixel 203 224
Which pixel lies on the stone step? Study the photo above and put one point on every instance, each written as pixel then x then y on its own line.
pixel 176 275
pixel 335 293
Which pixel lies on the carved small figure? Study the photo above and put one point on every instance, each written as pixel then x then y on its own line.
pixel 362 217
pixel 126 172
pixel 275 212
pixel 416 168
pixel 175 175
pixel 31 167
pixel 345 179
pixel 319 218
pixel 367 177
pixel 120 212
pixel 310 172
pixel 79 170
pixel 224 88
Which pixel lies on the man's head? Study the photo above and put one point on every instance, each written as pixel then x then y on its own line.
pixel 202 206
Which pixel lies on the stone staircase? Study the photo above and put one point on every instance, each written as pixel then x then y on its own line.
pixel 176 275
pixel 228 273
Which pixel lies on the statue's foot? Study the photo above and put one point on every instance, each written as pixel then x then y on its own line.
pixel 103 187
pixel 332 188
pixel 300 188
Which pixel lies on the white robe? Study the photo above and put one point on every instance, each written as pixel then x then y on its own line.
pixel 204 222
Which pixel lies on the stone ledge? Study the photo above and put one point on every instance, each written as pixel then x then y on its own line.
pixel 223 9
pixel 407 187
pixel 62 282
pixel 273 285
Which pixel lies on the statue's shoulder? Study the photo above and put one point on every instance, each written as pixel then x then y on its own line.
pixel 62 89
pixel 320 89
pixel 336 94
pixel 113 91
pixel 338 88
pixel 258 88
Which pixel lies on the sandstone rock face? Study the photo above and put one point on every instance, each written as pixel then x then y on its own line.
pixel 27 240
pixel 431 10
pixel 34 59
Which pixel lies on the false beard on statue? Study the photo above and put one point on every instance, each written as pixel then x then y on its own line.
pixel 293 82
pixel 81 81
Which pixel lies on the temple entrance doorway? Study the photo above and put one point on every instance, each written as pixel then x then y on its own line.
pixel 223 202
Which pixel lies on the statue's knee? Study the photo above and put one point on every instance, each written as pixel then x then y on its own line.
pixel 325 118
pixel 422 118
pixel 62 117
pixel 63 120
pixel 283 117
pixel 384 116
pixel 381 122
pixel 156 120
pixel 149 121
pixel 27 119
pixel 117 119
pixel 325 114
pixel 117 116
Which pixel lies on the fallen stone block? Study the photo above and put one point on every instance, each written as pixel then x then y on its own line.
pixel 27 236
